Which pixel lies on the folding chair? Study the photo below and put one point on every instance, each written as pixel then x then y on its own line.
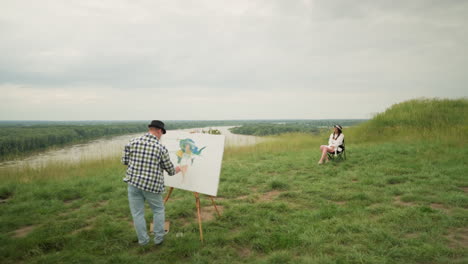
pixel 338 155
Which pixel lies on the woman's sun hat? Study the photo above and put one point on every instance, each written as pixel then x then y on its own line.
pixel 339 127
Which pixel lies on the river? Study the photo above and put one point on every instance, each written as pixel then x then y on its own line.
pixel 110 147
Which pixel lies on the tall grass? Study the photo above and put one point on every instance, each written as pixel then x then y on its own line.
pixel 275 144
pixel 57 171
pixel 433 119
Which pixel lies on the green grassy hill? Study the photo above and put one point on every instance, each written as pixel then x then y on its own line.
pixel 399 198
pixel 430 119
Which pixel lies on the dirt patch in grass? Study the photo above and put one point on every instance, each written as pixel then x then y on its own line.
pixel 219 199
pixel 235 230
pixel 69 212
pixel 244 252
pixel 269 196
pixel 208 213
pixel 24 231
pixel 340 202
pixel 458 238
pixel 243 197
pixel 101 204
pixel 4 197
pixel 88 227
pixel 185 222
pixel 70 201
pixel 127 219
pixel 398 201
pixel 440 207
pixel 411 235
pixel 465 189
pixel 354 180
pixel 265 197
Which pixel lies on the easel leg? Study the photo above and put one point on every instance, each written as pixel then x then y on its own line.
pixel 197 198
pixel 168 195
pixel 214 204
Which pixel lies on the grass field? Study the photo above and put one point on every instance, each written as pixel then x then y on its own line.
pixel 395 200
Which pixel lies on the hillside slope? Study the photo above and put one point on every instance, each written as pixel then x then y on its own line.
pixel 420 118
pixel 392 201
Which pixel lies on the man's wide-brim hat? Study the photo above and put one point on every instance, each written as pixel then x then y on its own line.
pixel 158 124
pixel 339 127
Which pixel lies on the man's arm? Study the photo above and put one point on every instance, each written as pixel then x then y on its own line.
pixel 126 154
pixel 167 165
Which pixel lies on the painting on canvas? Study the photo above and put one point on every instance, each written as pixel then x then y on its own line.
pixel 199 156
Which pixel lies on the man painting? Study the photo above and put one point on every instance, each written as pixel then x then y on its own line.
pixel 146 159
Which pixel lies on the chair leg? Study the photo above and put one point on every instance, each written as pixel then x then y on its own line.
pixel 341 156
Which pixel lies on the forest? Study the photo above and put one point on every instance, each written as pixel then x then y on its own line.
pixel 15 140
pixel 23 137
pixel 290 126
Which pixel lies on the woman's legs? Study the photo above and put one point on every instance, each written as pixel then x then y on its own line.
pixel 324 149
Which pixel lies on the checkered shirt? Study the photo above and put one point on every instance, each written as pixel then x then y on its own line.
pixel 146 159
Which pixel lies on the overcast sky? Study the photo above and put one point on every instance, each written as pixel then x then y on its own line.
pixel 213 59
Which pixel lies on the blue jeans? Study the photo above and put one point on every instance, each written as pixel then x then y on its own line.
pixel 136 198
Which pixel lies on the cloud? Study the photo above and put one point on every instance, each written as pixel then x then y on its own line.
pixel 402 49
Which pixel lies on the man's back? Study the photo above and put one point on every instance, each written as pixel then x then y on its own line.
pixel 146 158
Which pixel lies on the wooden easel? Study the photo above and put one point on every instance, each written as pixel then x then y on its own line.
pixel 197 202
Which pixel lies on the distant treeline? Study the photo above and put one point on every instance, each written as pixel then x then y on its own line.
pixel 16 140
pixel 22 137
pixel 272 129
pixel 305 126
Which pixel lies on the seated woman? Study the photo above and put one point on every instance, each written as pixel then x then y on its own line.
pixel 334 143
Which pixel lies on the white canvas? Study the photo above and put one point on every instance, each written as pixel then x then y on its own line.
pixel 200 160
